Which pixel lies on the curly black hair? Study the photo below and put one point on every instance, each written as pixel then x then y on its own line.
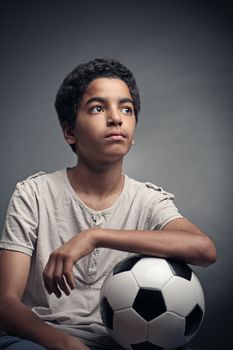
pixel 74 86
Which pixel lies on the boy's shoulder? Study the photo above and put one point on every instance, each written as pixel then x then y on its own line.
pixel 41 180
pixel 33 176
pixel 149 189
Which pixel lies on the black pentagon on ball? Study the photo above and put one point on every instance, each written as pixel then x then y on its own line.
pixel 126 264
pixel 149 303
pixel 145 346
pixel 180 269
pixel 193 320
pixel 106 313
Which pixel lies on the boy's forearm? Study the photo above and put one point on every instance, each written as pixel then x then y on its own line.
pixel 186 246
pixel 16 319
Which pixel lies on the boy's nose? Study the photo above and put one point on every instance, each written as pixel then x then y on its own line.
pixel 114 118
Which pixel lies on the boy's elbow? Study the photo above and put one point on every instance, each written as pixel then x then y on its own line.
pixel 209 253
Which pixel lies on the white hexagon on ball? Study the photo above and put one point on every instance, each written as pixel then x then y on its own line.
pixel 179 296
pixel 167 330
pixel 152 273
pixel 121 290
pixel 129 327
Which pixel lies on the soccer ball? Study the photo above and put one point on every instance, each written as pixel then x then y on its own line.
pixel 149 303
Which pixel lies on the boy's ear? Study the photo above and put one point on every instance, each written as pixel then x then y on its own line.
pixel 68 133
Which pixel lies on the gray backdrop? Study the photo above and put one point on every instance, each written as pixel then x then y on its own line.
pixel 181 54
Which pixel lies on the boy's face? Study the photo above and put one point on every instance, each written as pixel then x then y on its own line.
pixel 105 122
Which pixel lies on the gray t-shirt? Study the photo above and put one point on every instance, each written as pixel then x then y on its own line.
pixel 45 212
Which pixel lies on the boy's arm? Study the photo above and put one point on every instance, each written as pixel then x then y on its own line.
pixel 182 240
pixel 15 318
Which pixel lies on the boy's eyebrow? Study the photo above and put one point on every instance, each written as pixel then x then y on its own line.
pixel 104 100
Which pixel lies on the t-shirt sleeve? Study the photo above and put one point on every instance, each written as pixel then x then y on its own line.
pixel 21 222
pixel 162 208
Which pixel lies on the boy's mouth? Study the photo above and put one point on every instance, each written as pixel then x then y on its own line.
pixel 116 135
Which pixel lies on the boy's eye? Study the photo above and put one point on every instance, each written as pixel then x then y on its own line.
pixel 127 110
pixel 96 109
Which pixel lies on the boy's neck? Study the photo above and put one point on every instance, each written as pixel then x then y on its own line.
pixel 92 184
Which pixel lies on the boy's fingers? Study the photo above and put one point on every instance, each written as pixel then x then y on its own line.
pixel 48 276
pixel 47 273
pixel 68 273
pixel 58 277
pixel 63 286
pixel 58 274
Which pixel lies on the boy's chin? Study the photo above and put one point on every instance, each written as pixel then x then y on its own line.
pixel 117 154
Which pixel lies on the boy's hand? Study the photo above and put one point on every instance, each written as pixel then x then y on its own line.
pixel 58 273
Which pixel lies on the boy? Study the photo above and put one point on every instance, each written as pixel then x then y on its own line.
pixel 66 230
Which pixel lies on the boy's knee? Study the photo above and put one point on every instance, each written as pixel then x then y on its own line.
pixel 29 345
pixel 16 343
